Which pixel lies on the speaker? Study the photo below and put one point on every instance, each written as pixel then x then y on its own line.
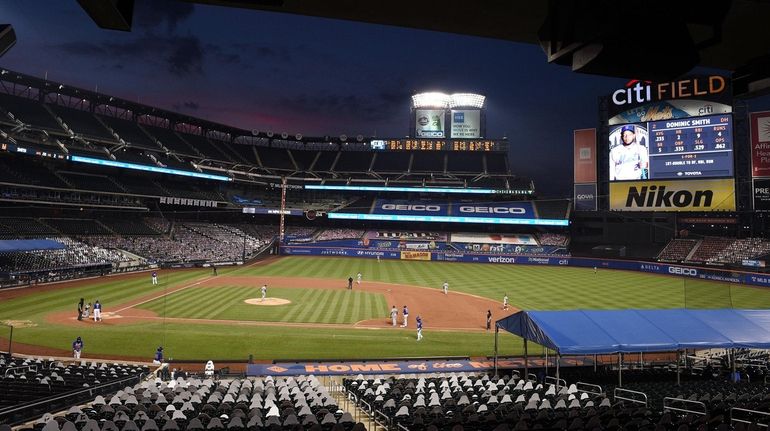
pixel 7 38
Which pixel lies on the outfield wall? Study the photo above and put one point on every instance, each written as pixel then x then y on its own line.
pixel 739 277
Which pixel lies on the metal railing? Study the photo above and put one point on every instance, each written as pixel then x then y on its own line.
pixel 589 388
pixel 628 395
pixel 560 383
pixel 18 368
pixel 669 404
pixel 381 419
pixel 752 417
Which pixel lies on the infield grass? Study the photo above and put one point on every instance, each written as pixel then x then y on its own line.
pixel 307 305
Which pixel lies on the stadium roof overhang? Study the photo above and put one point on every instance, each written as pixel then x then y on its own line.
pixel 621 38
pixel 627 331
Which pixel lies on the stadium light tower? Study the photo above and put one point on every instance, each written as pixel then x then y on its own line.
pixel 436 115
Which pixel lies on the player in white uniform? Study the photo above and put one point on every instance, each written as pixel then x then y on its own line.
pixel 264 291
pixel 358 278
pixel 629 161
pixel 406 316
pixel 505 302
pixel 446 288
pixel 394 315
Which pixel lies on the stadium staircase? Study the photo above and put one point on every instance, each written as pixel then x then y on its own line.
pixel 346 402
pixel 692 251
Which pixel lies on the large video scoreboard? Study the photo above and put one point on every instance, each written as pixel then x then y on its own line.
pixel 694 147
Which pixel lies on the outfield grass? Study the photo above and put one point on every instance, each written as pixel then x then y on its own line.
pixel 529 287
pixel 307 305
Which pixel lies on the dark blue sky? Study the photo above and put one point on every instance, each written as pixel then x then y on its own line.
pixel 279 72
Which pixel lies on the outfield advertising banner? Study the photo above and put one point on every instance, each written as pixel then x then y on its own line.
pixel 584 144
pixel 684 195
pixel 760 144
pixel 738 277
pixel 761 191
pixel 585 197
pixel 429 123
pixel 466 123
pixel 490 238
pixel 415 255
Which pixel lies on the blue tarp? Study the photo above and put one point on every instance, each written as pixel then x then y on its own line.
pixel 16 245
pixel 612 331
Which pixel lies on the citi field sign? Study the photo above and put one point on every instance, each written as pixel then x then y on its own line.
pixel 696 195
pixel 640 92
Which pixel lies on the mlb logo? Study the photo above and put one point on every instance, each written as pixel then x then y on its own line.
pixel 763 129
pixel 585 154
pixel 459 117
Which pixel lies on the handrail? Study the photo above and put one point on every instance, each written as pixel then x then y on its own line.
pixel 6 415
pixel 369 411
pixel 561 383
pixel 20 367
pixel 386 423
pixel 750 412
pixel 580 385
pixel 629 392
pixel 668 400
pixel 402 428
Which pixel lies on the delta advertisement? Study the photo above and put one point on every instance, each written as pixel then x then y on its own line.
pixel 684 195
pixel 429 123
pixel 466 123
pixel 760 144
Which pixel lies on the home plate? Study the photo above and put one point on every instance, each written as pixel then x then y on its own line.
pixel 267 301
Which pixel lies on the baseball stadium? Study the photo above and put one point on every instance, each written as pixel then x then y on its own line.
pixel 161 270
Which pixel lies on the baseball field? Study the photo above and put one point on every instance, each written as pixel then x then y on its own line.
pixel 309 312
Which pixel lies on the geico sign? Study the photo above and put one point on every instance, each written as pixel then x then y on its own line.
pixel 684 88
pixel 410 207
pixel 682 271
pixel 491 210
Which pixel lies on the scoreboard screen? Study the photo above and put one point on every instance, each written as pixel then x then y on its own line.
pixel 696 147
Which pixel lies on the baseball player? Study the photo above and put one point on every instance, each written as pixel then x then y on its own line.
pixel 97 311
pixel 594 270
pixel 419 328
pixel 154 278
pixel 358 278
pixel 158 359
pixel 264 292
pixel 87 311
pixel 80 309
pixel 350 283
pixel 446 288
pixel 394 315
pixel 77 347
pixel 406 316
pixel 630 160
pixel 378 258
pixel 489 320
pixel 505 302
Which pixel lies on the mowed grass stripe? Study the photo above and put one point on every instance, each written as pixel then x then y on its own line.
pixel 226 299
pixel 345 307
pixel 183 303
pixel 333 308
pixel 305 297
pixel 356 307
pixel 317 309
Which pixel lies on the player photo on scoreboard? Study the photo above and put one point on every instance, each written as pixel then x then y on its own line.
pixel 629 153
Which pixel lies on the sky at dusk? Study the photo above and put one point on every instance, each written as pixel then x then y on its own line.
pixel 287 73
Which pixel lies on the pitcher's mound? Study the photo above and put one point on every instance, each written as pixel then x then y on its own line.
pixel 267 301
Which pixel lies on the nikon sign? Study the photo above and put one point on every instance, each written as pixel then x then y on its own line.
pixel 695 195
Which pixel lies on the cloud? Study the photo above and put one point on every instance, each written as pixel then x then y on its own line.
pixel 179 55
pixel 153 14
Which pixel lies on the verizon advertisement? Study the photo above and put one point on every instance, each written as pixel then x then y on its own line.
pixel 466 123
pixel 429 123
pixel 760 144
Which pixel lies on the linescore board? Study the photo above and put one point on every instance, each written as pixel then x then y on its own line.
pixel 697 147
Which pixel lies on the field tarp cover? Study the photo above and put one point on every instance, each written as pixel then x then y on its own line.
pixel 612 331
